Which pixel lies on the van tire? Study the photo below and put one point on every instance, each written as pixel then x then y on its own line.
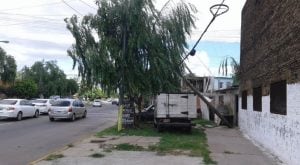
pixel 159 127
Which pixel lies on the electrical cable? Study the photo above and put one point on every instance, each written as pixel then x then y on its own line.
pixel 31 16
pixel 88 5
pixel 71 7
pixel 25 7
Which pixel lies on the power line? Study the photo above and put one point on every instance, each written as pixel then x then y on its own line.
pixel 31 16
pixel 33 6
pixel 88 5
pixel 29 22
pixel 71 7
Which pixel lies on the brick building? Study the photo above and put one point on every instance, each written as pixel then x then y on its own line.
pixel 270 76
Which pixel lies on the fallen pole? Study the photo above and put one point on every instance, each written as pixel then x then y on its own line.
pixel 210 106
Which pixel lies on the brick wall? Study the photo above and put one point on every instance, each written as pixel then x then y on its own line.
pixel 270 43
pixel 270 52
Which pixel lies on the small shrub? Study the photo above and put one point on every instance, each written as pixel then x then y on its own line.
pixel 97 155
pixel 54 157
pixel 70 145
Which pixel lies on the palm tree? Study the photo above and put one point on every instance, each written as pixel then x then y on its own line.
pixel 235 67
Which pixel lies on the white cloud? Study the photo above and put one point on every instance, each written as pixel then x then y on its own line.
pixel 199 64
pixel 36 30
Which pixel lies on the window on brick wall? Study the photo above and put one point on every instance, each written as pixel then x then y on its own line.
pixel 257 94
pixel 244 100
pixel 278 98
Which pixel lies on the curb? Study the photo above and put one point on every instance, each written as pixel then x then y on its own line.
pixel 59 149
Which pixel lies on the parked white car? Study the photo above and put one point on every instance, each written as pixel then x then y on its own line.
pixel 67 109
pixel 17 108
pixel 43 105
pixel 97 103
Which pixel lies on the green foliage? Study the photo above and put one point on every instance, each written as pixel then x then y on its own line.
pixel 203 122
pixel 25 88
pixel 71 86
pixel 128 147
pixel 170 142
pixel 130 44
pixel 97 155
pixel 50 79
pixel 94 93
pixel 54 157
pixel 8 67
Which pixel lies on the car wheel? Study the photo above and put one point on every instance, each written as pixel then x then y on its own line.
pixel 19 116
pixel 159 127
pixel 36 114
pixel 51 118
pixel 84 114
pixel 73 117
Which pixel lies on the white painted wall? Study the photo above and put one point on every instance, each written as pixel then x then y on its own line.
pixel 204 110
pixel 278 133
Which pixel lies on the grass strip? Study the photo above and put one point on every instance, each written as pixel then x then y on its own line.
pixel 170 141
pixel 204 123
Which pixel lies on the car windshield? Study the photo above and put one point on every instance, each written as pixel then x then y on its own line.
pixel 61 103
pixel 39 101
pixel 8 102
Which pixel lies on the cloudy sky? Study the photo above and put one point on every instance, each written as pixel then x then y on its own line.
pixel 36 31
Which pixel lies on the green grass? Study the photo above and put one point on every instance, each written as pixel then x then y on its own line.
pixel 128 147
pixel 70 145
pixel 54 156
pixel 170 142
pixel 203 122
pixel 97 155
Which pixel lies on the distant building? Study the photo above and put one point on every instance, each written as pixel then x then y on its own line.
pixel 207 85
pixel 269 110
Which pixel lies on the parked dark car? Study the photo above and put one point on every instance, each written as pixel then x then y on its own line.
pixel 147 114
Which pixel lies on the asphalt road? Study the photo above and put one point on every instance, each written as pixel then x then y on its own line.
pixel 24 141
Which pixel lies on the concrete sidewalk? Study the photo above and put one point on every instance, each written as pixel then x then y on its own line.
pixel 80 154
pixel 227 146
pixel 230 147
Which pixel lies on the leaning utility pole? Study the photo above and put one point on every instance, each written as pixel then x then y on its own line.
pixel 218 7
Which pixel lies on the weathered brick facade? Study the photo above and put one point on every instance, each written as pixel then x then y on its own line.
pixel 270 43
pixel 270 59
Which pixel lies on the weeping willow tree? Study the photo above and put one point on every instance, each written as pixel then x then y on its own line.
pixel 131 46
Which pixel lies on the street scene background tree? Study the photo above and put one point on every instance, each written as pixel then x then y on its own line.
pixel 8 67
pixel 50 79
